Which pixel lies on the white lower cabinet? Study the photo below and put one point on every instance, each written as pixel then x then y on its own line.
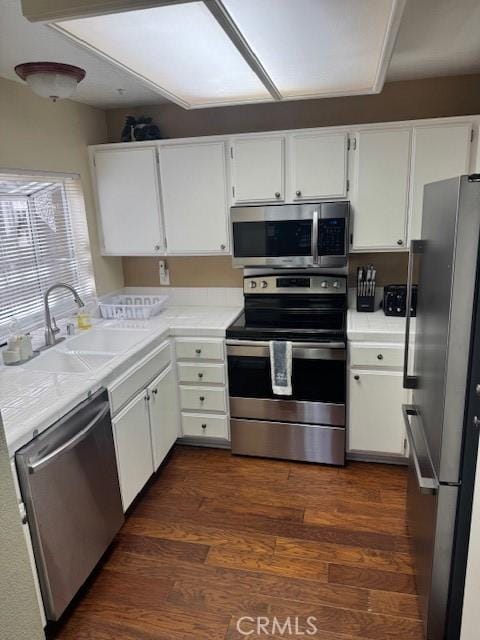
pixel 133 444
pixel 375 397
pixel 375 422
pixel 164 414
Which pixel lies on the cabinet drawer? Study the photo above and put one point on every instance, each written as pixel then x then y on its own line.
pixel 205 372
pixel 381 355
pixel 207 425
pixel 194 349
pixel 202 398
pixel 138 377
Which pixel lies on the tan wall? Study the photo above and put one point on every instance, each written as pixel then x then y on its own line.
pixel 431 98
pixel 36 134
pixel 408 100
pixel 218 271
pixel 19 612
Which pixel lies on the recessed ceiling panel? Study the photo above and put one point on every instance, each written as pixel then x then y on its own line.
pixel 320 47
pixel 181 50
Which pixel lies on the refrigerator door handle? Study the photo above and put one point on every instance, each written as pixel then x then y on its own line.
pixel 409 382
pixel 427 485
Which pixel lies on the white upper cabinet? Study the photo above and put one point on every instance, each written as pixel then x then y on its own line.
pixel 318 166
pixel 380 189
pixel 258 169
pixel 440 151
pixel 128 199
pixel 194 191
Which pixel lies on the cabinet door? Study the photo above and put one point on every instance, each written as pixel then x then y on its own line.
pixel 133 444
pixel 439 152
pixel 258 166
pixel 380 189
pixel 164 414
pixel 129 201
pixel 318 166
pixel 194 192
pixel 375 421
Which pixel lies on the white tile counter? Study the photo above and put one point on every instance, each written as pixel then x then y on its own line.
pixel 376 327
pixel 31 400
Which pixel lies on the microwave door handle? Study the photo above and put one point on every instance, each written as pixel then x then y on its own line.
pixel 67 446
pixel 315 237
pixel 409 382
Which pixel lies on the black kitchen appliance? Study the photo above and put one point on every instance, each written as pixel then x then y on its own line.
pixel 395 300
pixel 309 311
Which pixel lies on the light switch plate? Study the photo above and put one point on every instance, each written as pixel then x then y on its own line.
pixel 164 272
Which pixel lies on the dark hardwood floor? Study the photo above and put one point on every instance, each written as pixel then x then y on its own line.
pixel 217 539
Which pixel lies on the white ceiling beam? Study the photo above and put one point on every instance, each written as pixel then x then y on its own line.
pixel 56 10
pixel 218 10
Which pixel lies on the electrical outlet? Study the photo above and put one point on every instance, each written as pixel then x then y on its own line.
pixel 163 272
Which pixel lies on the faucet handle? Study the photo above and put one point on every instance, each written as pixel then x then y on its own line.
pixel 55 328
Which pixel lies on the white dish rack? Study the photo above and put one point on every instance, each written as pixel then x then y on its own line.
pixel 132 306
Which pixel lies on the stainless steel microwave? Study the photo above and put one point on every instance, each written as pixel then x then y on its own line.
pixel 291 235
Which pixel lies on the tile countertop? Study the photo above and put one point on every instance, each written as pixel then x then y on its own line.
pixel 376 327
pixel 30 400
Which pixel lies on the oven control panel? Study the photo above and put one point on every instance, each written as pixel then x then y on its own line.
pixel 295 284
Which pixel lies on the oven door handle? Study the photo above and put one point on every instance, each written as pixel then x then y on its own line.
pixel 303 350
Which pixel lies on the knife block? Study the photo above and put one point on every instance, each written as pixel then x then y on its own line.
pixel 366 303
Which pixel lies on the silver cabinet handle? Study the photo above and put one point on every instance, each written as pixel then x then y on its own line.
pixel 76 439
pixel 198 351
pixel 204 426
pixel 380 356
pixel 202 398
pixel 155 391
pixel 222 247
pixel 298 193
pixel 426 485
pixel 200 375
pixel 399 241
pixel 356 377
pixel 277 194
pixel 157 247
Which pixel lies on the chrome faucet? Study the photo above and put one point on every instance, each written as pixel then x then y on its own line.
pixel 51 328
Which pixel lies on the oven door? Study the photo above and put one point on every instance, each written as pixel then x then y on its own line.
pixel 318 383
pixel 275 236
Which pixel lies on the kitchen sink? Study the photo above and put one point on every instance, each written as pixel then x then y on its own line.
pixel 56 361
pixel 104 341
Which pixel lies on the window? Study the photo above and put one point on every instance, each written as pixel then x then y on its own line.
pixel 43 240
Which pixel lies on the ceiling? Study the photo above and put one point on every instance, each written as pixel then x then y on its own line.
pixel 435 38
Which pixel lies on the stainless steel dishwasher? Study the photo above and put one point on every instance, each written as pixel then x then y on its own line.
pixel 69 483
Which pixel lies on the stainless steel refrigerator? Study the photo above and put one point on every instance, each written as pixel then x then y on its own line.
pixel 442 367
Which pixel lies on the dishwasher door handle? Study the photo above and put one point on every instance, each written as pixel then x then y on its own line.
pixel 67 446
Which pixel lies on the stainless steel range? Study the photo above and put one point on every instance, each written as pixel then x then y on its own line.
pixel 308 310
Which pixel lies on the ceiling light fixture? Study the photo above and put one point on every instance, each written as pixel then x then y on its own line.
pixel 52 80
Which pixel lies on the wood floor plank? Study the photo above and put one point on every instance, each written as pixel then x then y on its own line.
pixel 342 554
pixel 268 563
pixel 199 534
pixel 371 578
pixel 249 507
pixel 355 521
pixel 215 537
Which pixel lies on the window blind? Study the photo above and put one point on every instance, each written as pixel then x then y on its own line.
pixel 43 240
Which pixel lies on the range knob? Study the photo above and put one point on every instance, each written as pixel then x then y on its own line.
pixel 253 284
pixel 336 284
pixel 324 284
pixel 264 284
